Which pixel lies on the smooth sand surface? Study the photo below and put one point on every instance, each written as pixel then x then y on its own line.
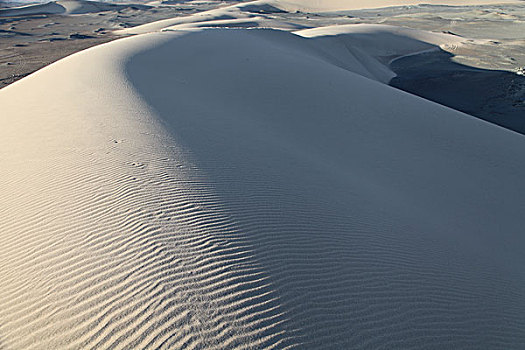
pixel 206 187
pixel 369 49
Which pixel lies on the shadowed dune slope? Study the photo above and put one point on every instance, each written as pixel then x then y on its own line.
pixel 233 189
pixel 368 49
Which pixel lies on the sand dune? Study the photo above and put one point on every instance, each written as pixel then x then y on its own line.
pixel 229 188
pixel 368 49
pixel 365 49
pixel 240 13
pixel 48 8
pixel 67 7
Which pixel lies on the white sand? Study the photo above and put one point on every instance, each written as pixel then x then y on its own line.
pixel 227 13
pixel 232 188
pixel 367 49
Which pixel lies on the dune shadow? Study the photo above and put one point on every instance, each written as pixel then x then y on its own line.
pixel 496 96
pixel 493 95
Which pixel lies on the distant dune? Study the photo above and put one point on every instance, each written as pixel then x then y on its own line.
pixel 69 7
pixel 214 188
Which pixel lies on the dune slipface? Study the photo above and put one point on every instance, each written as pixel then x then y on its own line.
pixel 234 189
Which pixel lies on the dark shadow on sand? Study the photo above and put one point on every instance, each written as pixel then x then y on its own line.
pixel 492 95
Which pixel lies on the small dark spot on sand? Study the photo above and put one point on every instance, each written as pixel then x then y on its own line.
pixel 451 33
pixel 80 36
